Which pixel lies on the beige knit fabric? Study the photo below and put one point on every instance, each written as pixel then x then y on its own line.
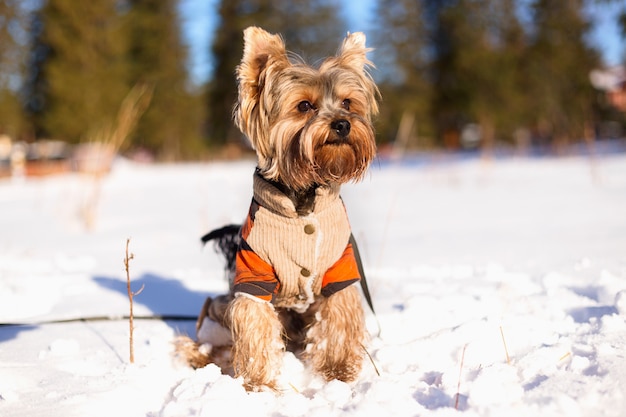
pixel 300 249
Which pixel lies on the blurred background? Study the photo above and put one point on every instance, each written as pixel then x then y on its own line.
pixel 154 79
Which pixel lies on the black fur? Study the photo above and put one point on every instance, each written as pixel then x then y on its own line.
pixel 226 240
pixel 303 200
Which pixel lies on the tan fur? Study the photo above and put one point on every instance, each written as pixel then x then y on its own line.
pixel 189 350
pixel 258 347
pixel 290 113
pixel 336 340
pixel 199 356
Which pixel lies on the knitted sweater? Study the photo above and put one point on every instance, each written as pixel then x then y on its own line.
pixel 288 259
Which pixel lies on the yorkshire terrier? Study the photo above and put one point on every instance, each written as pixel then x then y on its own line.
pixel 293 262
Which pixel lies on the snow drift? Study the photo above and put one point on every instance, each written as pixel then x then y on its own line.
pixel 500 289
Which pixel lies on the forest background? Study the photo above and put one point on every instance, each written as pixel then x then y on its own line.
pixel 454 74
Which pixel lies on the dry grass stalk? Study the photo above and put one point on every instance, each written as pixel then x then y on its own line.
pixel 458 385
pixel 106 142
pixel 506 351
pixel 131 294
pixel 371 360
pixel 133 107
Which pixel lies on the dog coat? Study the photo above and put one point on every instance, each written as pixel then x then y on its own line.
pixel 287 259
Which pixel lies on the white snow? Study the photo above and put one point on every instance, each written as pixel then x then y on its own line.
pixel 500 290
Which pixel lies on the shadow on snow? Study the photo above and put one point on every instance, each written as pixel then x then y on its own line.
pixel 585 314
pixel 10 332
pixel 165 297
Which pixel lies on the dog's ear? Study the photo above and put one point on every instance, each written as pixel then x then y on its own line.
pixel 264 56
pixel 262 50
pixel 352 56
pixel 352 52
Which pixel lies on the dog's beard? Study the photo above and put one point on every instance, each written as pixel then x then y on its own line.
pixel 341 159
pixel 314 154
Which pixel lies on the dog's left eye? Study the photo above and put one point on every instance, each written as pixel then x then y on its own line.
pixel 346 104
pixel 305 106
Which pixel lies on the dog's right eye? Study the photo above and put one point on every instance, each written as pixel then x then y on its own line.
pixel 305 106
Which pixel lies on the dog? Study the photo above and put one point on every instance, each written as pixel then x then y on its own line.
pixel 292 263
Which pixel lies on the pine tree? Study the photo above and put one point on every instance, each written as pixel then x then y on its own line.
pixel 560 62
pixel 170 127
pixel 76 76
pixel 512 111
pixel 12 60
pixel 311 27
pixel 221 90
pixel 490 65
pixel 400 40
pixel 479 48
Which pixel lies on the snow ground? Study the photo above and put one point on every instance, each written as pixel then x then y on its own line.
pixel 500 289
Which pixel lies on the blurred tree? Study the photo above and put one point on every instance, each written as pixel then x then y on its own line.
pixel 490 65
pixel 402 56
pixel 458 35
pixel 12 120
pixel 621 21
pixel 76 79
pixel 308 26
pixel 170 128
pixel 472 61
pixel 12 59
pixel 559 65
pixel 478 49
pixel 221 90
pixel 514 103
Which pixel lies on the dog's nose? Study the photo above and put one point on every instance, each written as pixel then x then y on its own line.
pixel 342 127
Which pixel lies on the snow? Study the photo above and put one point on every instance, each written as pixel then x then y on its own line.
pixel 499 287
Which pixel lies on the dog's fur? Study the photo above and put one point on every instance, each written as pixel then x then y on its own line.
pixel 312 131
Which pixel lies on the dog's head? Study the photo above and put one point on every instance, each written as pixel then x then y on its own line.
pixel 309 126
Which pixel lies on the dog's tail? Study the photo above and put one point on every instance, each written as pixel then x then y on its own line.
pixel 226 241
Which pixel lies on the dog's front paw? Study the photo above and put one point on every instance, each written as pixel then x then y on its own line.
pixel 336 339
pixel 257 343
